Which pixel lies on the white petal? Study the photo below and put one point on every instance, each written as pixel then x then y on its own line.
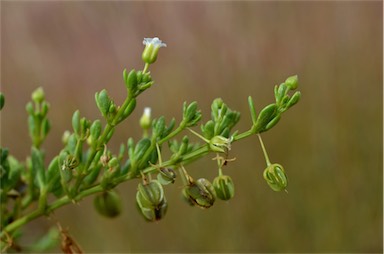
pixel 155 41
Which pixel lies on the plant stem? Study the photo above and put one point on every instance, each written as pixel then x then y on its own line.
pixel 243 135
pixel 264 151
pixel 50 208
pixel 185 159
pixel 145 69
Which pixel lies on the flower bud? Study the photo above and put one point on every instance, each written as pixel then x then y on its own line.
pixel 200 193
pixel 38 95
pixel 145 120
pixel 65 137
pixel 224 187
pixel 292 82
pixel 151 50
pixel 275 176
pixel 108 204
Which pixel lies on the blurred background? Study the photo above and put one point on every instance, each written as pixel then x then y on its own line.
pixel 330 143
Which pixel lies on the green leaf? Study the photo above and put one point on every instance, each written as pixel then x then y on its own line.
pixel 45 127
pixel 265 116
pixel 169 128
pixel 208 129
pixel 141 147
pixel 38 170
pixel 252 109
pixel 158 127
pixel 103 102
pixel 95 129
pixel 294 99
pixel 76 122
pixel 131 81
pixel 2 101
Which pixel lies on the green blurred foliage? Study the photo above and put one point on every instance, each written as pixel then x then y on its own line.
pixel 330 143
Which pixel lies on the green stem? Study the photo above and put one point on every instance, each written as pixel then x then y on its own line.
pixel 108 128
pixel 243 135
pixel 50 208
pixel 173 133
pixel 146 66
pixel 264 151
pixel 185 159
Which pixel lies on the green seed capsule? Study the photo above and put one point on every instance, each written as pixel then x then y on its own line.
pixel 224 187
pixel 108 204
pixel 200 193
pixel 151 194
pixel 151 213
pixel 151 201
pixel 166 176
pixel 276 177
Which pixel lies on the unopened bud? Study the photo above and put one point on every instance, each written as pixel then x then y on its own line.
pixel 38 95
pixel 145 120
pixel 292 82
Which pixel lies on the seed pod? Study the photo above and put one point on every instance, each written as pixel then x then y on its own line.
pixel 166 176
pixel 153 213
pixel 108 204
pixel 224 187
pixel 151 201
pixel 150 194
pixel 200 193
pixel 275 176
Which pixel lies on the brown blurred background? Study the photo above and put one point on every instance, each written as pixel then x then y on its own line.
pixel 330 143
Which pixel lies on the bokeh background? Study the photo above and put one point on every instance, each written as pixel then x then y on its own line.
pixel 330 143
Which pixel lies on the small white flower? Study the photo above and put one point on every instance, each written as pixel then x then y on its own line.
pixel 145 120
pixel 147 111
pixel 152 46
pixel 155 41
